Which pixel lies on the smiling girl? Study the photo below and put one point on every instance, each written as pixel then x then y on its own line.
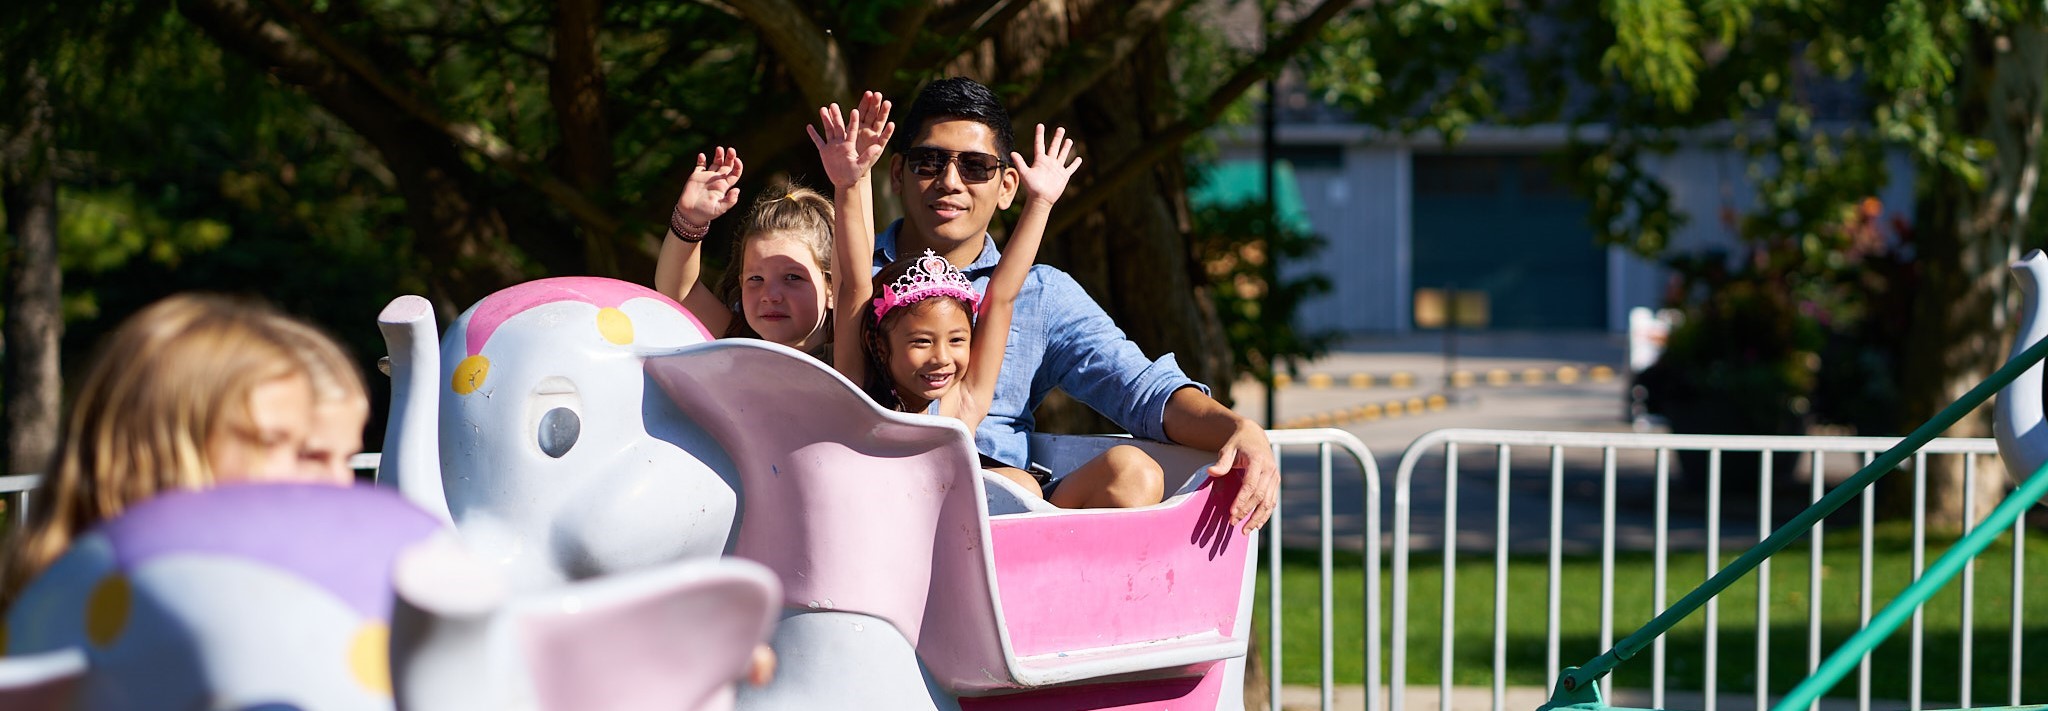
pixel 777 282
pixel 918 338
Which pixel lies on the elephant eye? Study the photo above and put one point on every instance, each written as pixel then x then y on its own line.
pixel 558 431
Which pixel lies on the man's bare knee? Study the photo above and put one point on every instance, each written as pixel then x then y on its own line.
pixel 1139 480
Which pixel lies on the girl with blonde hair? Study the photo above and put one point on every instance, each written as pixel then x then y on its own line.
pixel 777 284
pixel 192 391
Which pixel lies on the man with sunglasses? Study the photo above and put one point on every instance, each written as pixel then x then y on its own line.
pixel 950 171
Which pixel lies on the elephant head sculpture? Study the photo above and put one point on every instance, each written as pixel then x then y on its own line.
pixel 533 431
pixel 240 597
pixel 286 596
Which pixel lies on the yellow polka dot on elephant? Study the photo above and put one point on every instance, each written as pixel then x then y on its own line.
pixel 106 610
pixel 369 657
pixel 616 326
pixel 470 374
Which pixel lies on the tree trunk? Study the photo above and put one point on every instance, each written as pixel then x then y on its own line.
pixel 1133 253
pixel 35 319
pixel 1966 235
pixel 576 89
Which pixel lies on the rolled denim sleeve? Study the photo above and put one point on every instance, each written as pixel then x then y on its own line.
pixel 1093 361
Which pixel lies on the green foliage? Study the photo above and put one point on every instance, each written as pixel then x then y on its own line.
pixel 183 169
pixel 1411 66
pixel 1655 50
pixel 1229 240
pixel 1796 328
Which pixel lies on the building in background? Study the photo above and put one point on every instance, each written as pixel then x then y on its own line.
pixel 1493 214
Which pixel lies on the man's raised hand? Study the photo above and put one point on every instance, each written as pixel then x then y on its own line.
pixel 1045 179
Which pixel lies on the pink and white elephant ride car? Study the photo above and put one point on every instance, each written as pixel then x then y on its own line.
pixel 580 428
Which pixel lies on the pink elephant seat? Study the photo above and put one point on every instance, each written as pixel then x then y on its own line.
pixel 887 514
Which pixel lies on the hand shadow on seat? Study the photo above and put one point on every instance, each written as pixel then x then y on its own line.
pixel 1212 526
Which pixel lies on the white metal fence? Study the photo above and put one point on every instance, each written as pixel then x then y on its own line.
pixel 1326 443
pixel 1616 460
pixel 1441 460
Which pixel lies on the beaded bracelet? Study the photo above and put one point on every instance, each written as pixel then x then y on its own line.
pixel 684 230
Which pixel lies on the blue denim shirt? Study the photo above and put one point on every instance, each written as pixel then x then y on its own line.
pixel 1059 337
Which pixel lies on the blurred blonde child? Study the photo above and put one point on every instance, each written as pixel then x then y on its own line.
pixel 192 391
pixel 341 404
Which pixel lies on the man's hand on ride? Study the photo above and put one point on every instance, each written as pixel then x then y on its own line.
pixel 1197 420
pixel 1248 449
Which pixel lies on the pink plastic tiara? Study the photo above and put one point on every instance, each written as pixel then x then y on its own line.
pixel 931 275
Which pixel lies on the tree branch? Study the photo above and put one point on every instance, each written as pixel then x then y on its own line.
pixel 810 53
pixel 279 47
pixel 480 37
pixel 463 239
pixel 967 30
pixel 1082 65
pixel 1169 140
pixel 763 139
pixel 903 33
pixel 972 22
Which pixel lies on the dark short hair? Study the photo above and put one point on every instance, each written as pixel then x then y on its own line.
pixel 953 98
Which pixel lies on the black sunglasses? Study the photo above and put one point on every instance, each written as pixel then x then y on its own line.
pixel 931 163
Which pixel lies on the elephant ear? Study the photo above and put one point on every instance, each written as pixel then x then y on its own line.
pixel 2017 419
pixel 445 603
pixel 675 636
pixel 41 682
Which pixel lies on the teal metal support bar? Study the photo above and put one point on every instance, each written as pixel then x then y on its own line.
pixel 1576 678
pixel 1901 608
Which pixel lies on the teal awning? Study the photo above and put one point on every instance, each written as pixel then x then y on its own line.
pixel 1235 182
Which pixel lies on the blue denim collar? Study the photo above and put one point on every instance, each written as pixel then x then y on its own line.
pixel 885 251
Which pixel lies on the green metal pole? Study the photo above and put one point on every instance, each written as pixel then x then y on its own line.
pixel 1901 608
pixel 1571 680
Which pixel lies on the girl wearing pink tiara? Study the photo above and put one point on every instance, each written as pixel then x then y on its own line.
pixel 918 338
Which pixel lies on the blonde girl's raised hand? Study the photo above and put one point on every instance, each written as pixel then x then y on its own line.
pixel 1045 179
pixel 708 193
pixel 711 189
pixel 849 146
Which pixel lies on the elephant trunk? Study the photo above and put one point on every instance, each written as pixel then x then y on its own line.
pixel 412 439
pixel 2022 441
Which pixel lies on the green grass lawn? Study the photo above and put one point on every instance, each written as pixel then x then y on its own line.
pixel 1527 617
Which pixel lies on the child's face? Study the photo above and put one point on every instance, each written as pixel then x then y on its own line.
pixel 929 349
pixel 266 447
pixel 336 435
pixel 782 290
